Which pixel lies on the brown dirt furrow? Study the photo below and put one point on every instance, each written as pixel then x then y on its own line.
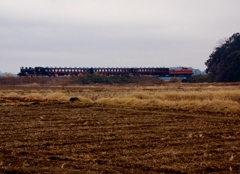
pixel 62 138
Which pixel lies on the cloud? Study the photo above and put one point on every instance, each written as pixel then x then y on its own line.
pixel 113 33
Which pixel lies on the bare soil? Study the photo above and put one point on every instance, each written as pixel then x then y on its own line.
pixel 70 138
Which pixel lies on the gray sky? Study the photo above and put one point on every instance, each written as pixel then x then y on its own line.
pixel 113 33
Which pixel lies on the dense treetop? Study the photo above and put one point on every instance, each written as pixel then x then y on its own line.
pixel 223 64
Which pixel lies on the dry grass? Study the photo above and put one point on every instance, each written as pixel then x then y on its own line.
pixel 210 98
pixel 36 97
pixel 57 96
pixel 214 101
pixel 213 98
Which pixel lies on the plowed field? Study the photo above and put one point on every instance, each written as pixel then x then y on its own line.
pixel 67 138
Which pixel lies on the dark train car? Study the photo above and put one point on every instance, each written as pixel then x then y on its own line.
pixel 151 71
pixel 111 71
pixel 67 71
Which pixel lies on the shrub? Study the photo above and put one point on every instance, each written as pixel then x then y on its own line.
pixel 200 78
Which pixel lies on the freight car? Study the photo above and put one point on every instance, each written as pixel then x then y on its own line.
pixel 160 72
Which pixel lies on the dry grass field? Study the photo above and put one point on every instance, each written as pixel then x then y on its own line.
pixel 173 128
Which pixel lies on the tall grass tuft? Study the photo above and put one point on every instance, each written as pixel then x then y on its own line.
pixel 57 96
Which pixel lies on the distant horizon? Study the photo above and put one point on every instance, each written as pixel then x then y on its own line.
pixel 1 72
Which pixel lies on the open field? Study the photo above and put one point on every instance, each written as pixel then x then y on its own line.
pixel 128 129
pixel 194 98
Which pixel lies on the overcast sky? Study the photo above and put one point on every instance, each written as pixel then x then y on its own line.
pixel 113 33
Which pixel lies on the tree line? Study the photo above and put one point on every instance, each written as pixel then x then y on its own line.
pixel 223 64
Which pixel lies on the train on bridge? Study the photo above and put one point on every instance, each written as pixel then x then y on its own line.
pixel 164 73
